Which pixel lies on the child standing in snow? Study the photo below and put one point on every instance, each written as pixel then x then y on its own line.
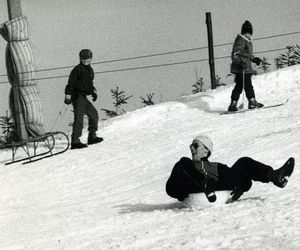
pixel 79 86
pixel 242 56
pixel 199 175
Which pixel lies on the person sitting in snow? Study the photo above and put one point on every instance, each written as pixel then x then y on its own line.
pixel 198 175
pixel 242 56
pixel 80 85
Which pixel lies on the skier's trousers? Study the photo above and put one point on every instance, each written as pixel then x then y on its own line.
pixel 238 88
pixel 82 106
pixel 241 174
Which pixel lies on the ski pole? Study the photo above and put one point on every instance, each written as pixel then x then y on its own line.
pixel 242 105
pixel 243 87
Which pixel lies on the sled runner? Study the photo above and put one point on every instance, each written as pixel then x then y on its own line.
pixel 38 148
pixel 199 200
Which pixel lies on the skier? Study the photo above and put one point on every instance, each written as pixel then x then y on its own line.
pixel 80 85
pixel 242 56
pixel 198 175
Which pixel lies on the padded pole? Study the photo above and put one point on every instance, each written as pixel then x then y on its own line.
pixel 14 11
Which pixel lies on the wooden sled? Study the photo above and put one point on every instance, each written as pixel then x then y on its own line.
pixel 34 147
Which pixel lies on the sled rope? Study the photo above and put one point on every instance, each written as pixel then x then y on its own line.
pixel 61 113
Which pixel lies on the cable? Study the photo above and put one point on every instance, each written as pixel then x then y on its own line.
pixel 150 66
pixel 176 63
pixel 153 55
pixel 286 34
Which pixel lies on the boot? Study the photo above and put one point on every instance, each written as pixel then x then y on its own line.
pixel 78 145
pixel 93 138
pixel 279 177
pixel 233 106
pixel 253 104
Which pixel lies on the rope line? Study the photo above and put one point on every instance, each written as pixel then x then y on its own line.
pixel 60 113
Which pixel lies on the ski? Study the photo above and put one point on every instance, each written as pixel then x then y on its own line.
pixel 246 110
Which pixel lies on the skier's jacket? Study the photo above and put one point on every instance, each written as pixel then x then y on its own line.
pixel 242 55
pixel 81 81
pixel 187 178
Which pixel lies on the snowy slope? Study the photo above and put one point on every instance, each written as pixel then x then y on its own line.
pixel 112 195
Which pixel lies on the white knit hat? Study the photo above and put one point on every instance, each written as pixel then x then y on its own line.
pixel 205 140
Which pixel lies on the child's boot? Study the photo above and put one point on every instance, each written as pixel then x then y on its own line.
pixel 78 145
pixel 253 104
pixel 233 106
pixel 93 138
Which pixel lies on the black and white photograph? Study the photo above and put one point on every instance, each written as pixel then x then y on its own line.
pixel 149 124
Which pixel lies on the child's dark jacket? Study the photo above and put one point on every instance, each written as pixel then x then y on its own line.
pixel 242 55
pixel 81 81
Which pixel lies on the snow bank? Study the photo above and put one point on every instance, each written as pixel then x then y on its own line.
pixel 111 195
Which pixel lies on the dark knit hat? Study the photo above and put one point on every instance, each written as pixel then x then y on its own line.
pixel 85 54
pixel 247 28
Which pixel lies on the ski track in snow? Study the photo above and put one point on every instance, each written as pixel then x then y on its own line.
pixel 112 195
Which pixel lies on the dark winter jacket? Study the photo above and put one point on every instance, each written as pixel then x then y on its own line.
pixel 208 169
pixel 242 55
pixel 81 81
pixel 186 178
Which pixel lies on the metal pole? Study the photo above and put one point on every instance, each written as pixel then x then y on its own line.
pixel 15 10
pixel 211 50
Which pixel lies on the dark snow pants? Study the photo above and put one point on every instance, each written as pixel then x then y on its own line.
pixel 241 174
pixel 185 179
pixel 82 106
pixel 238 88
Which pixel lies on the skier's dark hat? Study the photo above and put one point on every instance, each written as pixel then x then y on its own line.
pixel 247 28
pixel 85 54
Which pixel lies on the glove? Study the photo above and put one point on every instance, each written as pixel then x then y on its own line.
pixel 95 96
pixel 236 193
pixel 209 188
pixel 211 197
pixel 68 99
pixel 257 60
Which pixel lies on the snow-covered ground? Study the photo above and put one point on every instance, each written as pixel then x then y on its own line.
pixel 112 195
